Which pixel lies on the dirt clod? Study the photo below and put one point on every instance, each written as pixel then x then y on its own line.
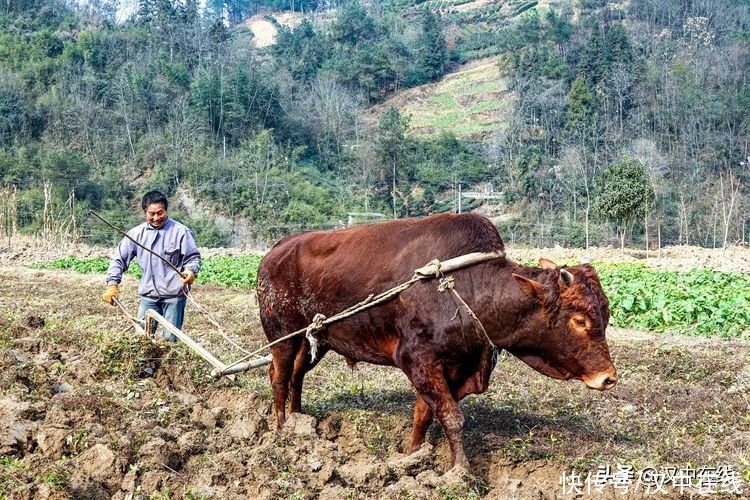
pixel 422 459
pixel 301 425
pixel 100 464
pixel 158 454
pixel 51 439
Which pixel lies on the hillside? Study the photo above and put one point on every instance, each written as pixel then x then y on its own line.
pixel 471 103
pixel 280 130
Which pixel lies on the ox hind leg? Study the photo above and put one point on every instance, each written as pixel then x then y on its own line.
pixel 423 416
pixel 283 355
pixel 302 365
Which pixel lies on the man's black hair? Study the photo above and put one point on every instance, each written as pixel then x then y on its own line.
pixel 153 197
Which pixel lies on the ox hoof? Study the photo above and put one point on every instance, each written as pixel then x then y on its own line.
pixel 460 472
pixel 300 424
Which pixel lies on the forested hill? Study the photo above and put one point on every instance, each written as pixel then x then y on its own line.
pixel 625 118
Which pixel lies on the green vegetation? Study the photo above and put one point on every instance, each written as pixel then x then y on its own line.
pixel 56 477
pixel 9 480
pixel 625 192
pixel 237 271
pixel 227 271
pixel 456 104
pixel 698 302
pixel 86 266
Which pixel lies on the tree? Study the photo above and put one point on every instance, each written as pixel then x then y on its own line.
pixel 581 105
pixel 592 63
pixel 391 138
pixel 433 54
pixel 624 191
pixel 559 29
pixel 353 26
pixel 15 109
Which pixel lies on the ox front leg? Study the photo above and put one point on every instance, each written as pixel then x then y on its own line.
pixel 301 367
pixel 451 419
pixel 422 419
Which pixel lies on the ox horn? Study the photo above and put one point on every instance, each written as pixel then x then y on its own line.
pixel 566 278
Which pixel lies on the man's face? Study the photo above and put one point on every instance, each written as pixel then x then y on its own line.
pixel 156 214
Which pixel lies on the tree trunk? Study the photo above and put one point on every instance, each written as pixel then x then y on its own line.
pixel 645 224
pixel 393 196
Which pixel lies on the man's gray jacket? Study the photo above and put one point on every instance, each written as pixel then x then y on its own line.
pixel 173 241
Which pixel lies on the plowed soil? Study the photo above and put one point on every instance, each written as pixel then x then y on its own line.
pixel 90 410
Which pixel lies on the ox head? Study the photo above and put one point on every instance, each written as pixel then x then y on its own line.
pixel 568 341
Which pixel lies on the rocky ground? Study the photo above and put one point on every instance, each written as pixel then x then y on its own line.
pixel 89 410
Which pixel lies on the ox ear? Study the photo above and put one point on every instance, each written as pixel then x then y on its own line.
pixel 547 264
pixel 566 278
pixel 532 289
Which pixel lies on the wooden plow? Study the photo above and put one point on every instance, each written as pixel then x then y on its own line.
pixel 147 327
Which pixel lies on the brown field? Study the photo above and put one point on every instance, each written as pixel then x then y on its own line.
pixel 87 410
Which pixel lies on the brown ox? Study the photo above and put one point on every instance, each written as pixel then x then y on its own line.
pixel 553 319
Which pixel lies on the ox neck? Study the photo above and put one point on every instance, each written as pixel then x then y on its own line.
pixel 508 315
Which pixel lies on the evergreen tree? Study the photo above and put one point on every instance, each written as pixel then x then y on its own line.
pixel 391 143
pixel 558 28
pixel 617 48
pixel 623 192
pixel 591 65
pixel 581 105
pixel 301 50
pixel 353 26
pixel 146 12
pixel 433 52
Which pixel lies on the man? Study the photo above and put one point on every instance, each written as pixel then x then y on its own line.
pixel 161 288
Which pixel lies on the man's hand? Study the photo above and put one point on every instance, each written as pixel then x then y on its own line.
pixel 187 276
pixel 112 292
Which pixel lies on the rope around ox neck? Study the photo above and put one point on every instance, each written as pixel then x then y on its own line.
pixel 448 283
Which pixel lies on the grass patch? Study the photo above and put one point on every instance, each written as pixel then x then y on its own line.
pixel 56 477
pixel 227 271
pixel 452 102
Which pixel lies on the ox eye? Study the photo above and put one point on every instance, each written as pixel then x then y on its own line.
pixel 579 322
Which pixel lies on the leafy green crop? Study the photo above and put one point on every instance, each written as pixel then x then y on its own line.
pixel 700 301
pixel 228 271
pixel 86 266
